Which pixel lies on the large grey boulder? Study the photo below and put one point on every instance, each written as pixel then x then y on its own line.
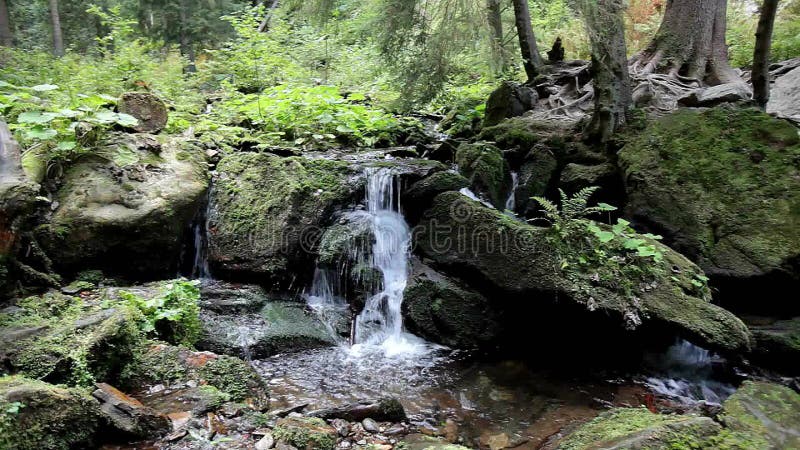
pixel 126 208
pixel 148 109
pixel 784 97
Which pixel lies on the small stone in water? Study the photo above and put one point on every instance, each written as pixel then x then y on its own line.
pixel 362 442
pixel 266 443
pixel 344 444
pixel 370 425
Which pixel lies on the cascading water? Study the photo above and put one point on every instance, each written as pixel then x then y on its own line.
pixel 200 269
pixel 511 201
pixel 380 324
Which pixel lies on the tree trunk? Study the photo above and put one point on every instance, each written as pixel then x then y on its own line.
pixel 6 36
pixel 187 47
pixel 495 20
pixel 263 27
pixel 531 59
pixel 760 74
pixel 612 86
pixel 690 43
pixel 58 38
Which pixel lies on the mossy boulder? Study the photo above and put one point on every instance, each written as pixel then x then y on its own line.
pixel 523 133
pixel 535 177
pixel 161 364
pixel 509 100
pixel 527 264
pixel 638 428
pixel 419 195
pixel 723 186
pixel 487 171
pixel 777 344
pixel 38 416
pixel 446 311
pixel 280 327
pixel 761 415
pixel 59 338
pixel 306 433
pixel 267 212
pixel 126 208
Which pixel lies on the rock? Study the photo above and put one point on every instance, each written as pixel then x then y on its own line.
pixel 534 178
pixel 423 442
pixel 420 194
pixel 509 100
pixel 721 186
pixel 575 177
pixel 267 213
pixel 181 366
pixel 229 298
pixel 510 257
pixel 638 428
pixel 524 132
pixel 716 95
pixel 265 443
pixel 58 338
pixel 445 152
pixel 148 109
pixel 761 415
pixel 35 415
pixel 342 427
pixel 487 171
pixel 784 96
pixel 370 425
pixel 385 409
pixel 777 344
pixel 130 415
pixel 307 433
pixel 126 210
pixel 445 311
pixel 280 327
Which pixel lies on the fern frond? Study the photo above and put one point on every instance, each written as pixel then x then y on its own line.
pixel 549 208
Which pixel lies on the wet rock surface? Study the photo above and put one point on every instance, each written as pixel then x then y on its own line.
pixel 128 414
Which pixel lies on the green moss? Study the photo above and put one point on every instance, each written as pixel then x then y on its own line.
pixel 727 179
pixel 759 415
pixel 231 376
pixel 35 416
pixel 308 433
pixel 486 169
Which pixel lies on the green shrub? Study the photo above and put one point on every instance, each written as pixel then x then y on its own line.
pixel 173 315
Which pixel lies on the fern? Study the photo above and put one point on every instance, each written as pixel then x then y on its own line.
pixel 572 210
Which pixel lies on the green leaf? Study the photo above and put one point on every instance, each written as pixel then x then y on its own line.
pixel 605 236
pixel 126 120
pixel 36 117
pixel 33 165
pixel 45 87
pixel 67 145
pixel 631 244
pixel 41 133
pixel 606 207
pixel 621 226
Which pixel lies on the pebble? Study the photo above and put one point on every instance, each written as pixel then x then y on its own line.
pixel 342 427
pixel 344 444
pixel 266 443
pixel 370 425
pixel 362 442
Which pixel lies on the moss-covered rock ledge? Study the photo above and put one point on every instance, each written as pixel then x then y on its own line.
pixel 723 186
pixel 531 274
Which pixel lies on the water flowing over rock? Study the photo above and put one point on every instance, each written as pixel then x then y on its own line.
pixel 126 209
pixel 503 255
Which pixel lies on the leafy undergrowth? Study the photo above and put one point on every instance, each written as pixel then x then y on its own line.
pixel 172 315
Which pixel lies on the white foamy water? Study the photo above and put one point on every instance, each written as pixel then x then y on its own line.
pixel 511 201
pixel 687 375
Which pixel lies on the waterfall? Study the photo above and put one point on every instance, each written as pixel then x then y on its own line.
pixel 687 374
pixel 511 201
pixel 380 323
pixel 200 269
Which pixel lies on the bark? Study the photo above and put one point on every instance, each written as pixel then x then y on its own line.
pixel 690 43
pixel 6 36
pixel 58 37
pixel 760 74
pixel 531 59
pixel 610 78
pixel 495 20
pixel 263 27
pixel 186 44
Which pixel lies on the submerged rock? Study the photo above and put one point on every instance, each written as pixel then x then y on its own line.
pixel 722 185
pixel 279 327
pixel 35 415
pixel 423 442
pixel 267 213
pixel 384 409
pixel 523 262
pixel 445 311
pixel 126 209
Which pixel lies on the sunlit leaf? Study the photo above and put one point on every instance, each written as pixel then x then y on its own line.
pixel 36 117
pixel 45 87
